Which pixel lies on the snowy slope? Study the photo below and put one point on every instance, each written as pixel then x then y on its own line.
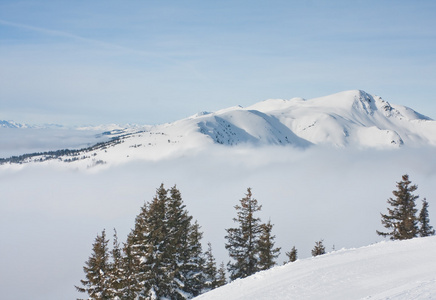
pixel 347 119
pixel 401 270
pixel 18 139
pixel 352 118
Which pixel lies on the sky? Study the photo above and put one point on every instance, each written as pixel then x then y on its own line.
pixel 151 62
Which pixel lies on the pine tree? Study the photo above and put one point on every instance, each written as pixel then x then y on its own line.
pixel 319 248
pixel 221 276
pixel 242 241
pixel 292 255
pixel 166 250
pixel 148 246
pixel 117 271
pixel 401 218
pixel 162 258
pixel 193 265
pixel 210 269
pixel 211 273
pixel 130 286
pixel 267 253
pixel 178 248
pixel 97 270
pixel 425 228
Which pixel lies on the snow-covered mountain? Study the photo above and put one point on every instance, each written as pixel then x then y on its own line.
pixel 347 119
pixel 400 270
pixel 12 124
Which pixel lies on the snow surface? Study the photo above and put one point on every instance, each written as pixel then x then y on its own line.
pixel 400 270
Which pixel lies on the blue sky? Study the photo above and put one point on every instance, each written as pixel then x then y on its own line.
pixel 149 62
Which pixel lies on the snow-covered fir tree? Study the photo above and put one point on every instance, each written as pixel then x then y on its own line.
pixel 267 253
pixel 130 287
pixel 210 269
pixel 401 220
pixel 319 248
pixel 117 271
pixel 213 277
pixel 97 271
pixel 149 249
pixel 292 255
pixel 425 228
pixel 166 249
pixel 221 276
pixel 243 241
pixel 178 248
pixel 192 268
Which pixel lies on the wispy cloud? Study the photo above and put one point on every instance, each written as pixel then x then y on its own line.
pixel 58 33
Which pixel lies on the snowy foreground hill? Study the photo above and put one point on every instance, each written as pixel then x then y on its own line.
pixel 400 270
pixel 347 119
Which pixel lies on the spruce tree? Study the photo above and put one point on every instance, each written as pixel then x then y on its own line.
pixel 166 250
pixel 97 271
pixel 210 269
pixel 401 220
pixel 178 248
pixel 162 258
pixel 243 241
pixel 117 270
pixel 267 253
pixel 292 255
pixel 130 286
pixel 221 276
pixel 425 228
pixel 148 246
pixel 319 248
pixel 193 266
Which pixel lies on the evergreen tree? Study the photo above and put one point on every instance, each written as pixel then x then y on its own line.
pixel 129 285
pixel 425 228
pixel 319 248
pixel 221 276
pixel 162 258
pixel 148 246
pixel 267 253
pixel 243 241
pixel 178 248
pixel 210 269
pixel 401 218
pixel 193 270
pixel 166 250
pixel 292 255
pixel 97 270
pixel 117 271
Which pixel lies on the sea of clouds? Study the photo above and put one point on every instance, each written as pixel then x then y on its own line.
pixel 50 215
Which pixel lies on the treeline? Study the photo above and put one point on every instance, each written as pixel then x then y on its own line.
pixel 163 258
pixel 75 154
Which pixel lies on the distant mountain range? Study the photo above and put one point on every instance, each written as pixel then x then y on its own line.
pixel 12 124
pixel 347 119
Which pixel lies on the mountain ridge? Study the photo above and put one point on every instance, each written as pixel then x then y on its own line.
pixel 347 119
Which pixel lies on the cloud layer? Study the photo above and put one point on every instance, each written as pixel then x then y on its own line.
pixel 50 216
